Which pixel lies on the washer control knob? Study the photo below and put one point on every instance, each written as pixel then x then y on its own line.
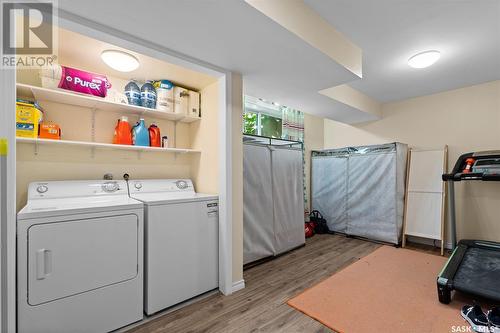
pixel 138 186
pixel 181 184
pixel 42 189
pixel 110 187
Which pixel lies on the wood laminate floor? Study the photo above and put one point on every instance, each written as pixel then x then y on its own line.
pixel 261 306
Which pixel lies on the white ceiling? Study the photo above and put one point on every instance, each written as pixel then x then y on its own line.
pixel 279 66
pixel 276 64
pixel 70 52
pixel 467 32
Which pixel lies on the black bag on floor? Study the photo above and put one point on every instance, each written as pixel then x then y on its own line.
pixel 320 226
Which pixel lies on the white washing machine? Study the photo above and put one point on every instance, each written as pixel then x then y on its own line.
pixel 182 242
pixel 79 257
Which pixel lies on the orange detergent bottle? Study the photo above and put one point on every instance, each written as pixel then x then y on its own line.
pixel 123 134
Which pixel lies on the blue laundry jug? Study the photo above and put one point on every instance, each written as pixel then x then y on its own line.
pixel 148 95
pixel 140 134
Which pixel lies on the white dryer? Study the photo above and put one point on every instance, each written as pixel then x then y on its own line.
pixel 182 243
pixel 79 257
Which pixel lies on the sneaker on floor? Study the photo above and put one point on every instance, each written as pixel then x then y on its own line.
pixel 493 317
pixel 476 318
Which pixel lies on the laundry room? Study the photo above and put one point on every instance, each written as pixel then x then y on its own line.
pixel 111 138
pixel 86 145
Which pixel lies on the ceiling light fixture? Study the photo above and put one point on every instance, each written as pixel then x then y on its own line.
pixel 119 60
pixel 424 59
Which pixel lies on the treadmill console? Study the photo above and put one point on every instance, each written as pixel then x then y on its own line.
pixel 476 166
pixel 489 166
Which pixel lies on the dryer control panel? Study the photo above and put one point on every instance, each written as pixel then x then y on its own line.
pixel 77 188
pixel 161 185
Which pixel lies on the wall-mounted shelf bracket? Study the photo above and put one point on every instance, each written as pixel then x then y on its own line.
pixel 92 128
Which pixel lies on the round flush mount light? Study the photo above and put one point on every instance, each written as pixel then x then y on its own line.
pixel 119 60
pixel 424 59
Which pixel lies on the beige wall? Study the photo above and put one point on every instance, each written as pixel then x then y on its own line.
pixel 237 177
pixel 313 139
pixel 466 119
pixel 203 134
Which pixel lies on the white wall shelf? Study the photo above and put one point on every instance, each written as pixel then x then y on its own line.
pixel 94 103
pixel 104 145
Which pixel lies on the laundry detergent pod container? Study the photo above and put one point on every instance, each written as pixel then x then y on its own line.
pixel 49 130
pixel 148 95
pixel 28 117
pixel 140 134
pixel 133 93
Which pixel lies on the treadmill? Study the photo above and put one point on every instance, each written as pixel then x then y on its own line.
pixel 474 265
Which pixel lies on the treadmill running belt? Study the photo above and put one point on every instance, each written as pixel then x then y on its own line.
pixel 479 273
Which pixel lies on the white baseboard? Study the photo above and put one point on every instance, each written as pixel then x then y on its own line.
pixel 238 285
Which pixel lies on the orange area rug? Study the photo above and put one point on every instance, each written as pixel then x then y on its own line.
pixel 390 290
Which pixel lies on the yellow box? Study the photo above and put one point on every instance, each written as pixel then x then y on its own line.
pixel 27 119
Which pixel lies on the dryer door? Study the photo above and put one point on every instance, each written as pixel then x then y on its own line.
pixel 73 257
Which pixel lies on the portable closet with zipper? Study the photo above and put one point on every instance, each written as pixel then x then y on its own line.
pixel 273 197
pixel 360 190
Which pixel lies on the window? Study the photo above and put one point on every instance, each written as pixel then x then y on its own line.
pixel 270 126
pixel 272 120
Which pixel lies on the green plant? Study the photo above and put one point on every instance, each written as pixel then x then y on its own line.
pixel 250 123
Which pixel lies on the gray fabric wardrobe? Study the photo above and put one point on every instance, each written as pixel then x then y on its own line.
pixel 360 190
pixel 273 199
